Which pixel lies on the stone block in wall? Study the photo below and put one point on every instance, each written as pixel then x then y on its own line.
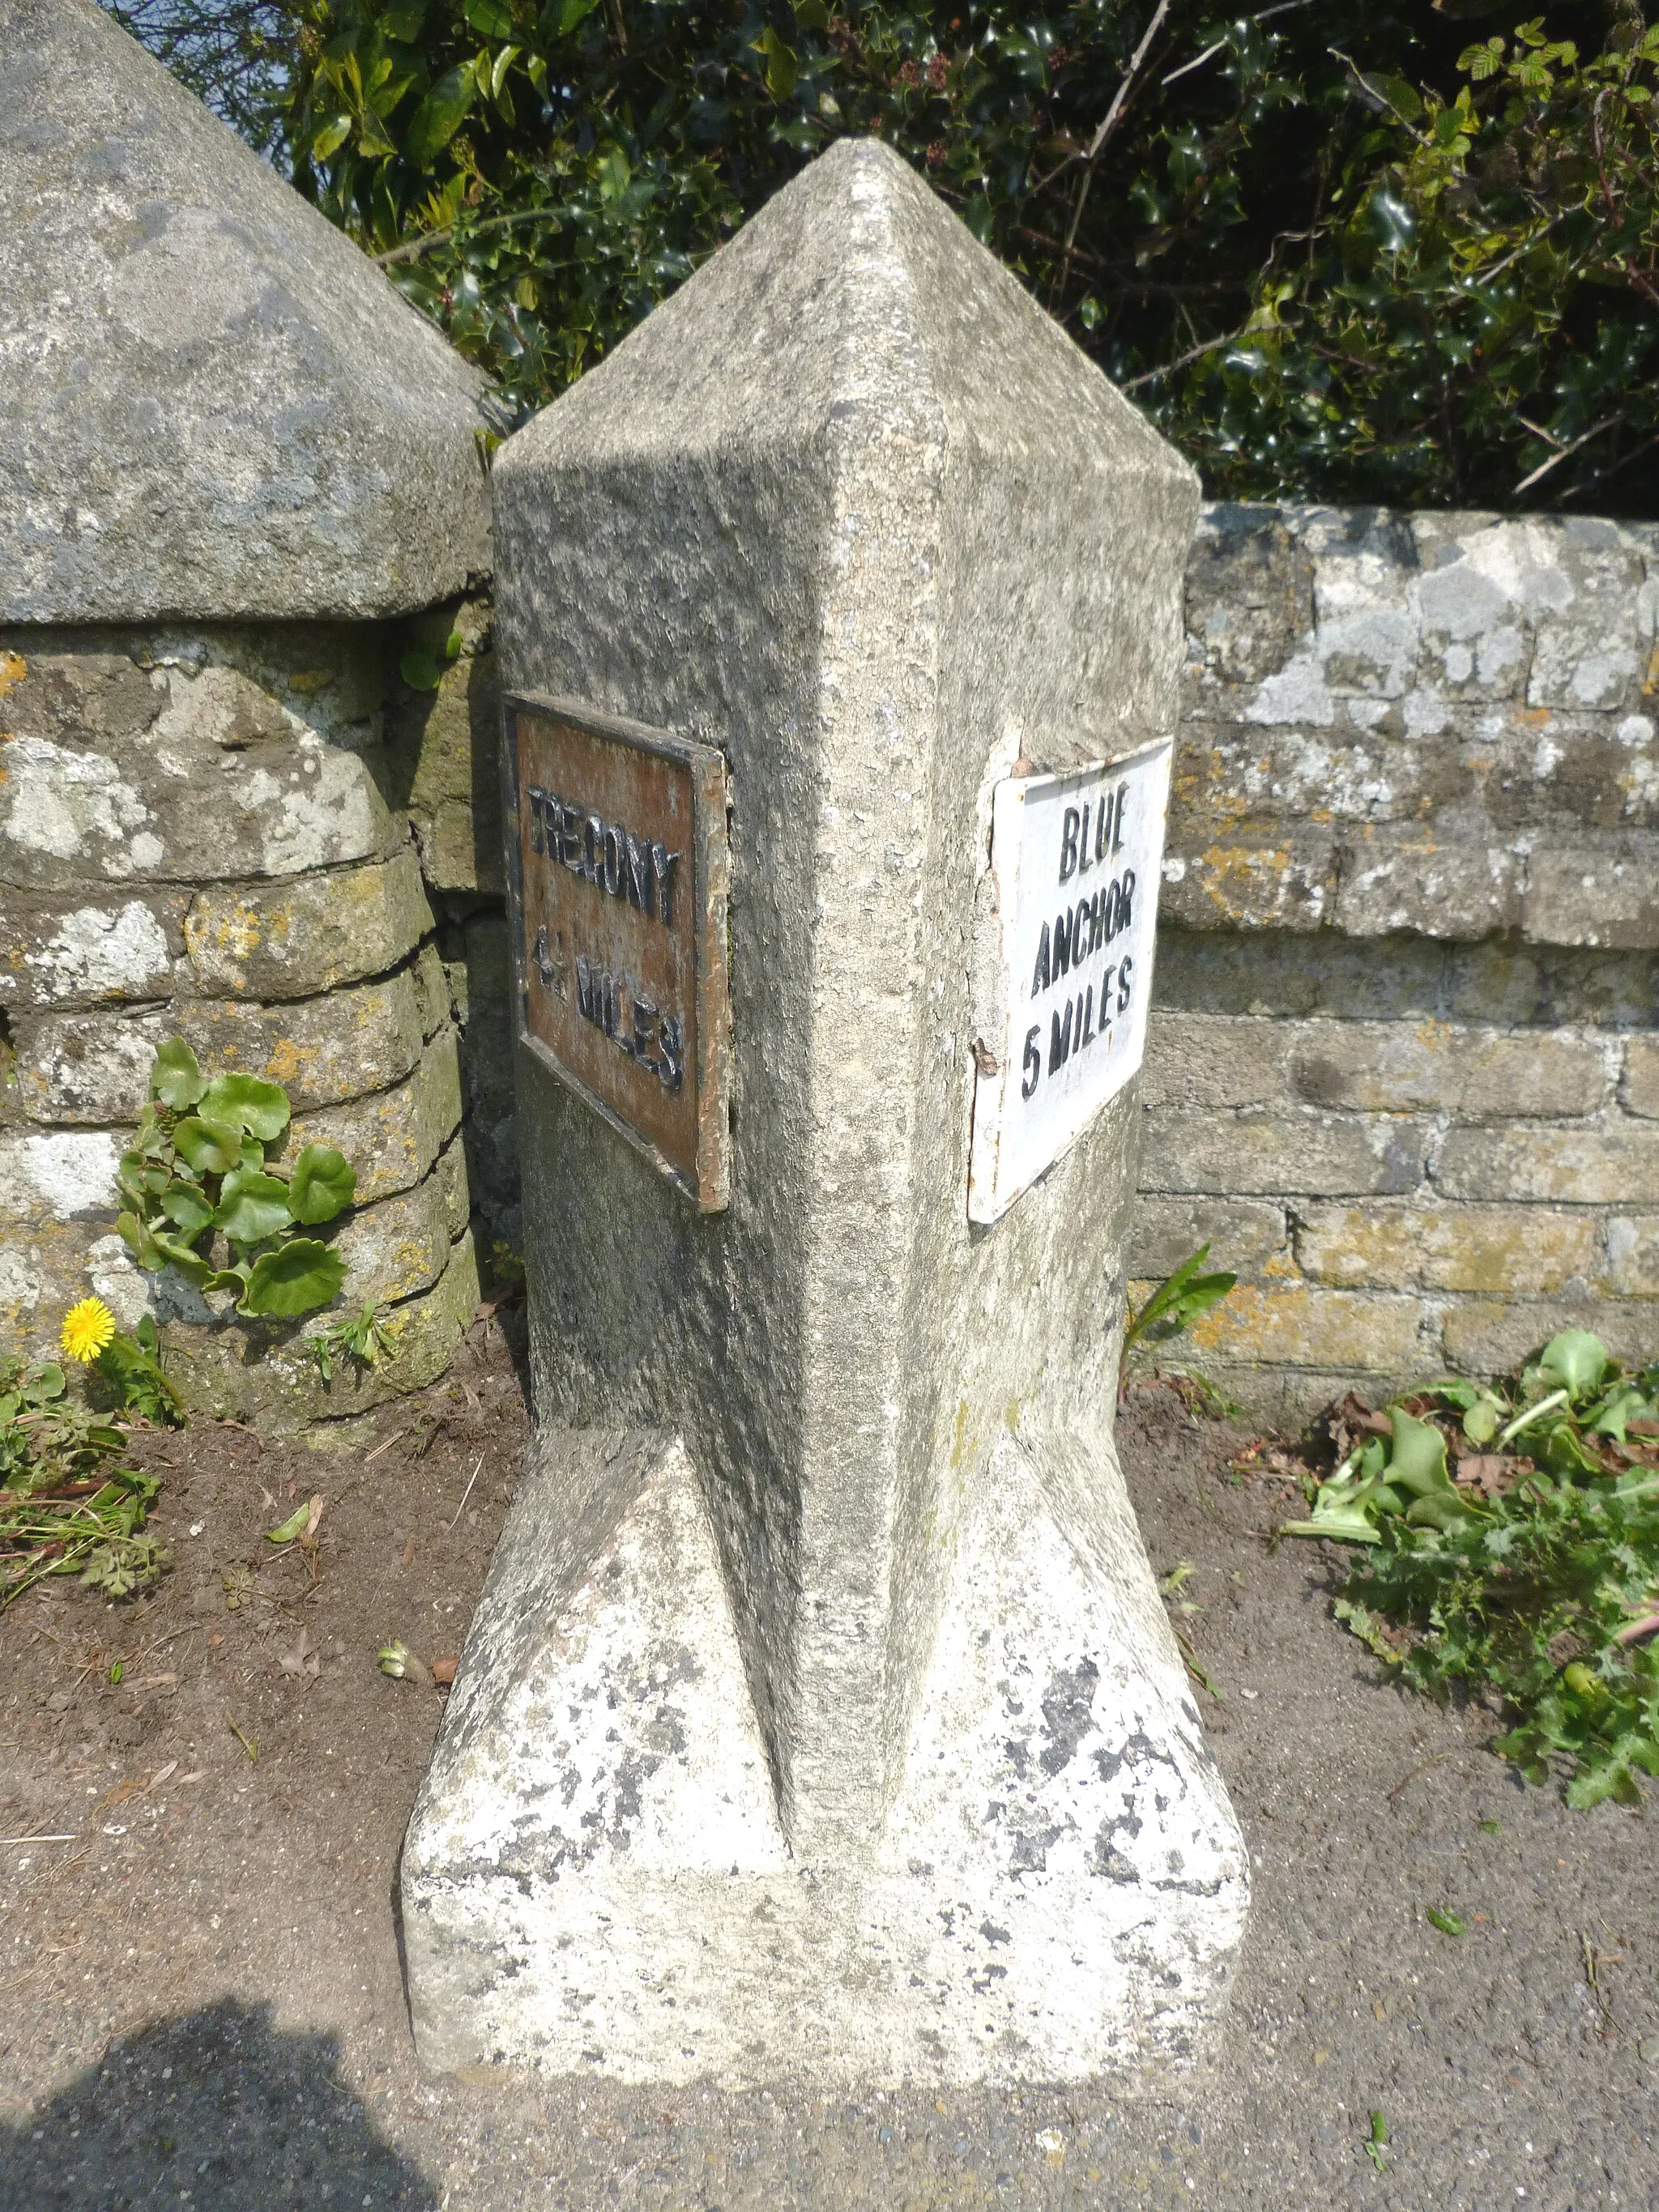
pixel 444 748
pixel 1613 1162
pixel 434 1003
pixel 1250 595
pixel 391 1138
pixel 1248 875
pixel 1396 877
pixel 264 1375
pixel 1597 891
pixel 1253 1152
pixel 1394 1066
pixel 1551 771
pixel 1633 1261
pixel 1522 1250
pixel 1224 1061
pixel 1248 1236
pixel 490 1129
pixel 400 1246
pixel 293 939
pixel 95 1067
pixel 1639 1092
pixel 1299 1325
pixel 1212 1059
pixel 89 950
pixel 223 780
pixel 1226 771
pixel 1490 1336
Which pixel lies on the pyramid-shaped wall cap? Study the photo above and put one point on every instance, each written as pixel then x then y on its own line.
pixel 856 299
pixel 212 404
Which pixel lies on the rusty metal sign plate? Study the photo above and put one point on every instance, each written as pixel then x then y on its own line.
pixel 618 869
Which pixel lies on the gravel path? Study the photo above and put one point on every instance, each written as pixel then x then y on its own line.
pixel 202 2002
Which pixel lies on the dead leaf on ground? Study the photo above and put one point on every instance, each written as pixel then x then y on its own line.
pixel 443 1672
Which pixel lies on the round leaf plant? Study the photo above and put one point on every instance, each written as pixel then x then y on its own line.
pixel 200 1195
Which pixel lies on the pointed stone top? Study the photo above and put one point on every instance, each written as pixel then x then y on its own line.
pixel 855 296
pixel 212 404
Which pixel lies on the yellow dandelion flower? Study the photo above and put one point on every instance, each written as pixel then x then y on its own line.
pixel 87 1329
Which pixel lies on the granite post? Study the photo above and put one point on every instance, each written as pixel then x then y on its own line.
pixel 820 1714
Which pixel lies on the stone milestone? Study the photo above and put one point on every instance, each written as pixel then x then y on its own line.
pixel 821 1713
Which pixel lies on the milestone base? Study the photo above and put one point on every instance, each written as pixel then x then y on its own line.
pixel 595 1880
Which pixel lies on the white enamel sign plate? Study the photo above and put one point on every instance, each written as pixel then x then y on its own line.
pixel 1075 861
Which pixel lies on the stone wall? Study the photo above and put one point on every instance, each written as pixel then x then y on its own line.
pixel 201 835
pixel 1404 1073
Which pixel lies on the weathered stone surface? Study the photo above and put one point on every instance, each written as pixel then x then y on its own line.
pixel 1422 880
pixel 400 1245
pixel 1287 1153
pixel 1493 1336
pixel 89 950
pixel 86 1068
pixel 1639 1093
pixel 1518 1250
pixel 1300 1325
pixel 225 780
pixel 263 1374
pixel 1605 891
pixel 1604 1162
pixel 848 505
pixel 654 1926
pixel 1248 1236
pixel 293 939
pixel 1632 1244
pixel 1215 1061
pixel 445 747
pixel 435 999
pixel 213 405
pixel 61 1175
pixel 1248 875
pixel 95 1068
pixel 391 1138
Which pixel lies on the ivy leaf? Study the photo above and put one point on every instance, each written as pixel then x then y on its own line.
pixel 295 1279
pixel 247 1101
pixel 252 1207
pixel 174 1076
pixel 323 1183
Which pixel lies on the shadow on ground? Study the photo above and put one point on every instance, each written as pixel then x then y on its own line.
pixel 215 2109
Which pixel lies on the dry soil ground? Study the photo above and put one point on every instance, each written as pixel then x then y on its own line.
pixel 200 2000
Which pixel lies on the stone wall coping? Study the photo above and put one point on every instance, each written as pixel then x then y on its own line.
pixel 212 404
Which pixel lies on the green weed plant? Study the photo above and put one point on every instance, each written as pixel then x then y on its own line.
pixel 1506 1541
pixel 67 1505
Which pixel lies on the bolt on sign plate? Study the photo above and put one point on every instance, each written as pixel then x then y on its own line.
pixel 618 869
pixel 1067 962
